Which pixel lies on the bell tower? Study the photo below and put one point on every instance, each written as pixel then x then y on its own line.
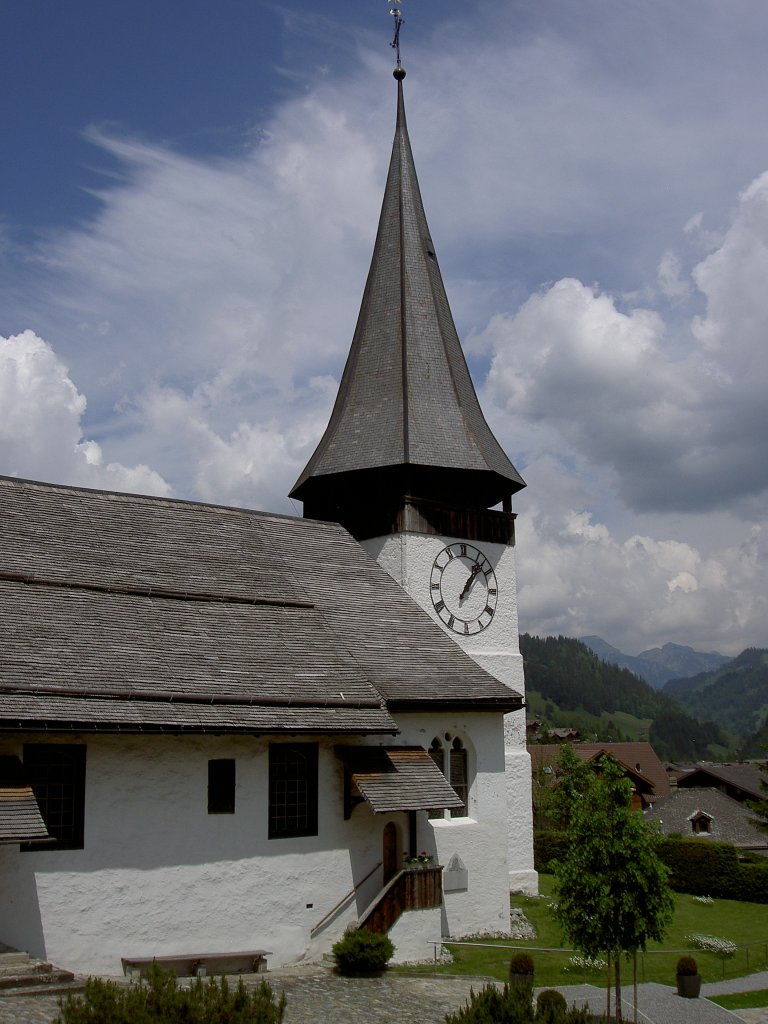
pixel 409 465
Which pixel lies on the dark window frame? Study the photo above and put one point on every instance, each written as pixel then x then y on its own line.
pixel 222 785
pixel 293 790
pixel 56 772
pixel 459 778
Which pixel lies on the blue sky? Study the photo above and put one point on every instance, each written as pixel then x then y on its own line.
pixel 188 202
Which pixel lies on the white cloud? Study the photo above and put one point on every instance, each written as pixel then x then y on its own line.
pixel 206 306
pixel 578 579
pixel 40 424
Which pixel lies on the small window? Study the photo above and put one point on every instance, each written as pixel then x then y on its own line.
pixel 701 823
pixel 221 786
pixel 459 779
pixel 292 790
pixel 56 772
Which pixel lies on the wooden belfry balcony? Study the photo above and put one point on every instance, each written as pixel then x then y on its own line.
pixel 414 888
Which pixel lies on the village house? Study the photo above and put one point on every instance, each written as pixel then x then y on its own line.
pixel 224 730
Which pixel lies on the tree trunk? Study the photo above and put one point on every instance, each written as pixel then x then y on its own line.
pixel 617 971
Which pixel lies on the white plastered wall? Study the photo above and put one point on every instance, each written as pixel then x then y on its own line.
pixel 158 875
pixel 408 558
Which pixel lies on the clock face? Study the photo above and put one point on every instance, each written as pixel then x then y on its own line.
pixel 463 588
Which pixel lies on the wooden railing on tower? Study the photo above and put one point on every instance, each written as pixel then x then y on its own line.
pixel 418 888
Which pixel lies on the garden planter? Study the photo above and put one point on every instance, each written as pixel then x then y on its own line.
pixel 689 985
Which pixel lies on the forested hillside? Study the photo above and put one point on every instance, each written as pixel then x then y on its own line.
pixel 735 695
pixel 571 686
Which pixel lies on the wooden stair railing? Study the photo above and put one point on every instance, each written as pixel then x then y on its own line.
pixel 411 889
pixel 343 900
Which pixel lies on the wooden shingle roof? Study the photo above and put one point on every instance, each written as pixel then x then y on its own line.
pixel 407 419
pixel 20 818
pixel 398 779
pixel 128 613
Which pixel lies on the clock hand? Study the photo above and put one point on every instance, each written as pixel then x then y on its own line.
pixel 475 570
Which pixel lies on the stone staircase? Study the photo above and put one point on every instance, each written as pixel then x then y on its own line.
pixel 22 975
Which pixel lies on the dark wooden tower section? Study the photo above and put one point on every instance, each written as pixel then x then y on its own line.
pixel 407 442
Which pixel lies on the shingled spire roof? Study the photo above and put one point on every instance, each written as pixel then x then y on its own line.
pixel 406 419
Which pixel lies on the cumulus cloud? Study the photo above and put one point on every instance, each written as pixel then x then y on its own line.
pixel 578 578
pixel 683 425
pixel 206 304
pixel 40 424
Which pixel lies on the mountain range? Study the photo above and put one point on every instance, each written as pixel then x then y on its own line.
pixel 713 715
pixel 659 664
pixel 734 695
pixel 567 685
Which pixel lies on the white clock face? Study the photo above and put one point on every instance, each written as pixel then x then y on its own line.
pixel 463 588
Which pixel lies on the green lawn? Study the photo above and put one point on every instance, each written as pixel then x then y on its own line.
pixel 743 1000
pixel 740 922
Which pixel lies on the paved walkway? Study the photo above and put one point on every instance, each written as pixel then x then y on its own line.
pixel 316 994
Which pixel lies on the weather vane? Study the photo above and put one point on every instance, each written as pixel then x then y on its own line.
pixel 397 14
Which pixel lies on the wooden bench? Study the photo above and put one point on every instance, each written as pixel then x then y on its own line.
pixel 253 961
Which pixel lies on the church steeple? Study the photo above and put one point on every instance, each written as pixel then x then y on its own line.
pixel 406 421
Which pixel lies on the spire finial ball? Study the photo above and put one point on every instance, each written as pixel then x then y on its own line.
pixel 399 73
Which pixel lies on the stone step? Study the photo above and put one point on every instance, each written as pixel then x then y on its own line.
pixel 19 972
pixel 52 989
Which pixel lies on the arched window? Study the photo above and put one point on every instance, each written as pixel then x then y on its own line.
pixel 459 777
pixel 437 754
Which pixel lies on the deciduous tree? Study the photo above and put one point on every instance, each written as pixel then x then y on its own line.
pixel 612 893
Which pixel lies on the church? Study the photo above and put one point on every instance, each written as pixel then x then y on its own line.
pixel 228 730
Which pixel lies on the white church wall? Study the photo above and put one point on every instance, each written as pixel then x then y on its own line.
pixel 478 841
pixel 414 935
pixel 159 875
pixel 409 558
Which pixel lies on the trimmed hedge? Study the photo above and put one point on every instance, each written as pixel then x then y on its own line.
pixel 549 845
pixel 704 868
pixel 698 866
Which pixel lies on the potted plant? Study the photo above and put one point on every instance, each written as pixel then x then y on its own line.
pixel 521 970
pixel 419 862
pixel 688 978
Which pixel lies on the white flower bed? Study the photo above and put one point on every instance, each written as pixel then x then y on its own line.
pixel 713 944
pixel 588 963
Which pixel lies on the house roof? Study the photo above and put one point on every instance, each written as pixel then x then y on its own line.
pixel 20 818
pixel 640 758
pixel 729 818
pixel 398 778
pixel 127 612
pixel 743 776
pixel 406 419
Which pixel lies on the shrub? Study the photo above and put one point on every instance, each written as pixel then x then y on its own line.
pixel 362 952
pixel 687 965
pixel 549 845
pixel 550 1007
pixel 159 1000
pixel 510 1005
pixel 521 963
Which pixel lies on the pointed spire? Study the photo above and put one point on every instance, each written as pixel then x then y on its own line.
pixel 406 420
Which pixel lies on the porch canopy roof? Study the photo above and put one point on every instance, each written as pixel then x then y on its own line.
pixel 398 778
pixel 20 818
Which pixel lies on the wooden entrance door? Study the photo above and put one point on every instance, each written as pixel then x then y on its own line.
pixel 390 852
